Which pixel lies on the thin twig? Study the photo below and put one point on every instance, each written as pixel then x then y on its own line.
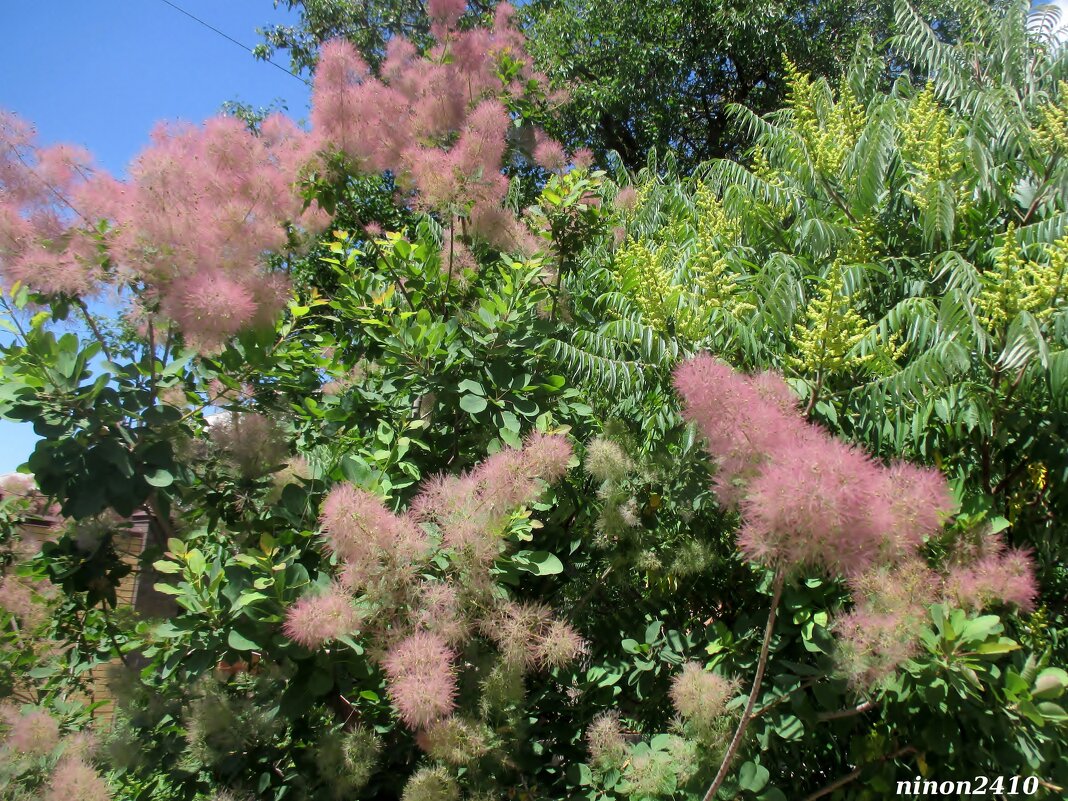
pixel 392 273
pixel 770 705
pixel 162 520
pixel 151 363
pixel 585 599
pixel 556 289
pixel 111 636
pixel 448 279
pixel 815 394
pixel 47 185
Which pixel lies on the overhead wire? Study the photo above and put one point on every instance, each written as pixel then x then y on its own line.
pixel 229 38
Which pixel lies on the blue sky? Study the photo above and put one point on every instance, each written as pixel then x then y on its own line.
pixel 101 73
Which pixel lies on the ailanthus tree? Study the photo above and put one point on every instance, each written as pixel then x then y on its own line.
pixel 870 248
pixel 898 254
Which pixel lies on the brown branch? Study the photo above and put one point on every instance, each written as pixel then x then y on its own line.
pixel 815 394
pixel 1041 193
pixel 837 199
pixel 111 636
pixel 986 467
pixel 379 257
pixel 585 599
pixel 860 709
pixel 1010 477
pixel 747 715
pixel 855 774
pixel 93 327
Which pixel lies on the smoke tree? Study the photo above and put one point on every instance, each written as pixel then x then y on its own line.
pixel 446 496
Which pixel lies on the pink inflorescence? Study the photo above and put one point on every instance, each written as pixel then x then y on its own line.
pixel 699 696
pixel 315 619
pixel 920 500
pixel 811 501
pixel 35 733
pixel 421 679
pixel 189 228
pixel 528 637
pixel 882 630
pixel 820 505
pixel 202 207
pixel 368 538
pixel 446 12
pixel 434 120
pixel 516 628
pixel 807 499
pixel 76 779
pixel 17 598
pixel 582 158
pixel 743 428
pixel 471 509
pixel 440 612
pixel 251 442
pixel 46 239
pixel 550 154
pixel 627 198
pixel 1004 576
pixel 559 645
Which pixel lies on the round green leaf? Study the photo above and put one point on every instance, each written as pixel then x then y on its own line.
pixel 753 777
pixel 540 563
pixel 159 478
pixel 239 642
pixel 473 404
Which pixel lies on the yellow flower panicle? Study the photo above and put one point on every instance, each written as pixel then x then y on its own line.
pixel 681 275
pixel 1051 132
pixel 832 328
pixel 934 149
pixel 1017 284
pixel 829 128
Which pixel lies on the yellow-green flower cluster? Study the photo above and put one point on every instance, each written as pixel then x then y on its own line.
pixel 646 272
pixel 1016 284
pixel 829 128
pixel 1052 128
pixel 762 168
pixel 644 277
pixel 1029 491
pixel 933 147
pixel 709 266
pixel 677 292
pixel 831 329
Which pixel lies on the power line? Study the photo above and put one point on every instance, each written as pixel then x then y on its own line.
pixel 232 39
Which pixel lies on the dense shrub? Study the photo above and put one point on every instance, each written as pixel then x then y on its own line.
pixel 746 484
